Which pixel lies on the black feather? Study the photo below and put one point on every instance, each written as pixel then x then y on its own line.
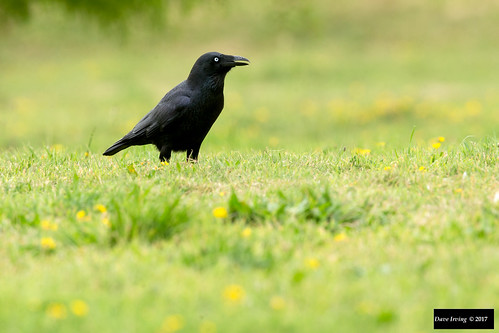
pixel 184 116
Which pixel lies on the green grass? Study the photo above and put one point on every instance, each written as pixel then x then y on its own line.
pixel 356 158
pixel 415 239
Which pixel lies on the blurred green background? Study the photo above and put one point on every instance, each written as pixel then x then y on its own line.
pixel 76 75
pixel 323 74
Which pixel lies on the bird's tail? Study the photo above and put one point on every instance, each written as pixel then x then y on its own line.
pixel 117 147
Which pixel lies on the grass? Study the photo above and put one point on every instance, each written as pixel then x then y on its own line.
pixel 311 239
pixel 351 182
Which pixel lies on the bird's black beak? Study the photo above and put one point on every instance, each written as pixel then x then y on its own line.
pixel 233 61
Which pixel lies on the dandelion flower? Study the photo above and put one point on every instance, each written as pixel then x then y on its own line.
pixel 441 139
pixel 473 107
pixel 362 151
pixel 366 307
pixel 106 222
pixel 387 168
pixel 47 225
pixel 422 168
pixel 56 311
pixel 312 263
pixel 220 212
pixel 47 243
pixel 101 208
pixel 57 148
pixel 234 293
pixel 277 303
pixel 131 170
pixel 262 114
pixel 81 215
pixel 246 233
pixel 172 323
pixel 207 326
pixel 340 237
pixel 79 308
pixel 436 145
pixel 273 141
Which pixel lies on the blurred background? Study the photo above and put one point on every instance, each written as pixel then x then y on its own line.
pixel 323 74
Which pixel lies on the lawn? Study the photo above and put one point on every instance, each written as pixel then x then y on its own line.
pixel 350 184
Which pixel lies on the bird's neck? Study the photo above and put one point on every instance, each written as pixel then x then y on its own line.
pixel 213 82
pixel 216 82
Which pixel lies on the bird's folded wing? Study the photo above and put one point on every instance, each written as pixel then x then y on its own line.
pixel 161 117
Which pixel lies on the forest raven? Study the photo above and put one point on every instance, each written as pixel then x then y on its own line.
pixel 186 113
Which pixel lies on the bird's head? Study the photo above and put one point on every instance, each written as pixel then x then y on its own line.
pixel 216 64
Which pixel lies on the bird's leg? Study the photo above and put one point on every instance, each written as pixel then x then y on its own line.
pixel 192 154
pixel 164 154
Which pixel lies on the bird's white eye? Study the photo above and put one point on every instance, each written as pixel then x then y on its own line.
pixel 215 59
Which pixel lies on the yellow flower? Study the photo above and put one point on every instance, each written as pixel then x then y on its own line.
pixel 47 243
pixel 246 233
pixel 436 145
pixel 172 323
pixel 441 139
pixel 340 237
pixel 262 114
pixel 362 151
pixel 234 293
pixel 106 222
pixel 458 190
pixel 79 308
pixel 220 212
pixel 56 311
pixel 57 147
pixel 47 225
pixel 312 263
pixel 387 168
pixel 131 170
pixel 473 107
pixel 277 303
pixel 101 208
pixel 422 169
pixel 164 163
pixel 366 307
pixel 273 141
pixel 207 326
pixel 81 215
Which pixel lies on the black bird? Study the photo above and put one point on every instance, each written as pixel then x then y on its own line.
pixel 186 113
